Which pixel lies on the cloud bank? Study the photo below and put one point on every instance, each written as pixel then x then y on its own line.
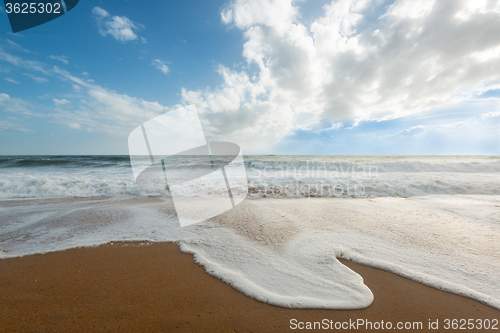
pixel 362 73
pixel 344 68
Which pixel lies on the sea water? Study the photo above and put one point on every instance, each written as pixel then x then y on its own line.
pixel 268 176
pixel 433 219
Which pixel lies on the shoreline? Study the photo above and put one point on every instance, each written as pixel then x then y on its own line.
pixel 428 240
pixel 132 286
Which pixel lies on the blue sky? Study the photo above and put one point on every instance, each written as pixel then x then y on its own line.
pixel 274 76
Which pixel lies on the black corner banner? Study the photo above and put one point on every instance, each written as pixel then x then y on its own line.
pixel 70 4
pixel 26 15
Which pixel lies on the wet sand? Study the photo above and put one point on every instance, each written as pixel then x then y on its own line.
pixel 138 287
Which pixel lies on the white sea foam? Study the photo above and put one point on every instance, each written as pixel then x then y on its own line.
pixel 282 251
pixel 259 272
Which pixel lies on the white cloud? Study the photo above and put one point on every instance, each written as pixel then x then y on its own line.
pixel 227 15
pixel 160 65
pixel 104 110
pixel 93 108
pixel 474 7
pixel 6 125
pixel 491 54
pixel 60 102
pixel 410 9
pixel 342 68
pixel 63 59
pixel 16 105
pixel 99 12
pixel 36 78
pixel 32 65
pixel 276 14
pixel 119 27
pixel 16 46
pixel 471 135
pixel 11 80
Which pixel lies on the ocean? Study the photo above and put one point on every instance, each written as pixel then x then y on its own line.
pixel 433 219
pixel 268 176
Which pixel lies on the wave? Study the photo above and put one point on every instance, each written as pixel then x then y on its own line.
pixel 120 185
pixel 485 165
pixel 268 176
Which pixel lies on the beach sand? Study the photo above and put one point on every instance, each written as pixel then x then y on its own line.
pixel 138 287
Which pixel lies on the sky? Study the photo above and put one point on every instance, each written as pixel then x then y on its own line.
pixel 310 77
